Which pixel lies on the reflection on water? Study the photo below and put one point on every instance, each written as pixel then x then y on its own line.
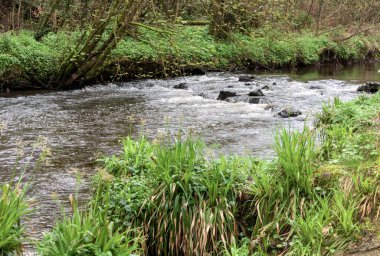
pixel 81 124
pixel 360 73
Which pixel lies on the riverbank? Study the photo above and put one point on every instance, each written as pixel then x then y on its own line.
pixel 26 63
pixel 169 198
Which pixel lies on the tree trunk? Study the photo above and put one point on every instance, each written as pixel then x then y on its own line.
pixel 94 47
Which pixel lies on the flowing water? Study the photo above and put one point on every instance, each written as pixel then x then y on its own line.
pixel 77 126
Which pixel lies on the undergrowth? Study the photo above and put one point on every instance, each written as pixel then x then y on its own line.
pixel 89 232
pixel 149 53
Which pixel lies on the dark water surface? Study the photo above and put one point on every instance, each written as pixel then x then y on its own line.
pixel 76 126
pixel 354 72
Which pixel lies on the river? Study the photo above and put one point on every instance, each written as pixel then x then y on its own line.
pixel 80 125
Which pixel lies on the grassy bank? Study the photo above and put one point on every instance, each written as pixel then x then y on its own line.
pixel 169 198
pixel 188 49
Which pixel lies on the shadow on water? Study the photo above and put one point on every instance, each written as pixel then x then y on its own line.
pixel 360 73
pixel 81 124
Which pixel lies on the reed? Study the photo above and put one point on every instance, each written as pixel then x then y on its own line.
pixel 13 206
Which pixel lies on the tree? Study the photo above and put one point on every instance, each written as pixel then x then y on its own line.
pixel 94 46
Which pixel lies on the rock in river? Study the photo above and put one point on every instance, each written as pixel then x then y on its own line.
pixel 254 100
pixel 289 112
pixel 315 87
pixel 247 78
pixel 257 92
pixel 369 87
pixel 226 94
pixel 182 86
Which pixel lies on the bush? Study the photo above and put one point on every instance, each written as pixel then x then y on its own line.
pixel 183 202
pixel 21 53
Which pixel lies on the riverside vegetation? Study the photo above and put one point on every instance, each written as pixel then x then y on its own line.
pixel 13 206
pixel 171 198
pixel 186 49
pixel 65 44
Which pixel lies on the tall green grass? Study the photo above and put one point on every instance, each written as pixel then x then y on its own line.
pixel 185 204
pixel 296 157
pixel 13 207
pixel 88 232
pixel 191 204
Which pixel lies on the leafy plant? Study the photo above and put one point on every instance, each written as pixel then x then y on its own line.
pixel 13 207
pixel 88 233
pixel 184 203
pixel 296 156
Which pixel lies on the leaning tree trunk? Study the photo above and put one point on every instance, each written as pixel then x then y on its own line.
pixel 93 48
pixel 43 25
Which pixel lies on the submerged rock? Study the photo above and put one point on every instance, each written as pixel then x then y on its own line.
pixel 265 87
pixel 369 87
pixel 223 95
pixel 315 87
pixel 289 112
pixel 182 86
pixel 247 78
pixel 257 92
pixel 254 100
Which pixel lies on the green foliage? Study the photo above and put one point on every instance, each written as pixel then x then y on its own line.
pixel 350 140
pixel 136 158
pixel 296 156
pixel 88 233
pixel 20 51
pixel 62 42
pixel 240 206
pixel 184 202
pixel 326 227
pixel 311 230
pixel 241 249
pixel 196 198
pixel 346 129
pixel 344 210
pixel 178 48
pixel 13 207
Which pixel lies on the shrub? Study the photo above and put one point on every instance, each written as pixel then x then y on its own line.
pixel 184 203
